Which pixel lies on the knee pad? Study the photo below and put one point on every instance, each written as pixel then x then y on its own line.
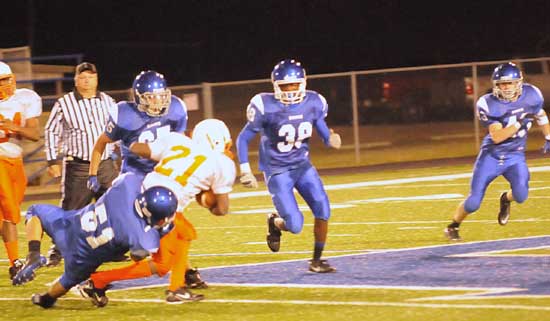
pixel 321 210
pixel 162 268
pixel 294 224
pixel 472 204
pixel 520 194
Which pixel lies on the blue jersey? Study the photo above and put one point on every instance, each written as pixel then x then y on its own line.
pixel 98 232
pixel 492 110
pixel 285 130
pixel 128 124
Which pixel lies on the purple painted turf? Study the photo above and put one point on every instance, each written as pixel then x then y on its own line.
pixel 430 267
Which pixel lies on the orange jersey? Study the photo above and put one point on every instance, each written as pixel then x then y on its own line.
pixel 24 104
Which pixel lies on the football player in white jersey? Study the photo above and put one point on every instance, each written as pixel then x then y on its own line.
pixel 19 111
pixel 186 166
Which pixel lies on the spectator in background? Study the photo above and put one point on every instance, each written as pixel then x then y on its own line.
pixel 508 113
pixel 76 121
pixel 19 111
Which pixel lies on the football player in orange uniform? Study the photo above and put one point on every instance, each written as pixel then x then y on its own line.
pixel 19 111
pixel 187 166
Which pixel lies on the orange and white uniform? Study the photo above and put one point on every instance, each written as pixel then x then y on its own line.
pixel 22 105
pixel 186 168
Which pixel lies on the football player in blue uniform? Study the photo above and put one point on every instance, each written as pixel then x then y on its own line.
pixel 125 218
pixel 508 113
pixel 286 119
pixel 154 113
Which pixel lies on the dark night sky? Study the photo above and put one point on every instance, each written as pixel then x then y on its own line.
pixel 223 40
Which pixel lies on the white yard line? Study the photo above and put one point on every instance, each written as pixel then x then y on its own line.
pixel 507 307
pixel 386 182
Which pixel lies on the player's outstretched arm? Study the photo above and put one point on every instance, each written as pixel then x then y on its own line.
pixel 247 179
pixel 30 131
pixel 542 121
pixel 141 149
pixel 222 205
pixel 99 147
pixel 500 134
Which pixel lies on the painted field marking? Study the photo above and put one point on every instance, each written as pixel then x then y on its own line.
pixel 330 303
pixel 386 182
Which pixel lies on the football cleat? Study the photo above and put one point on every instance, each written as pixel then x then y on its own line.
pixel 33 262
pixel 182 295
pixel 320 266
pixel 504 213
pixel 193 279
pixel 98 296
pixel 273 233
pixel 54 256
pixel 44 300
pixel 16 267
pixel 451 233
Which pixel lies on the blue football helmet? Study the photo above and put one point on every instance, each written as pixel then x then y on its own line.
pixel 289 71
pixel 151 93
pixel 157 206
pixel 507 73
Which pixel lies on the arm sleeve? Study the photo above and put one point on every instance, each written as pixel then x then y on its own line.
pixel 159 145
pixel 225 176
pixel 540 99
pixel 182 123
pixel 112 129
pixel 244 138
pixel 482 109
pixel 53 131
pixel 323 130
pixel 320 123
pixel 147 242
pixel 34 106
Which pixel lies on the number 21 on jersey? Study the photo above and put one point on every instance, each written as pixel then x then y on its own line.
pixel 293 136
pixel 179 166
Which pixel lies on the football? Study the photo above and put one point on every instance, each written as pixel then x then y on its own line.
pixel 206 199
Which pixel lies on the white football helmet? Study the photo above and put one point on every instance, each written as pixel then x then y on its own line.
pixel 7 82
pixel 214 134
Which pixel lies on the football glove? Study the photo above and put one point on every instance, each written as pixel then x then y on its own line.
pixel 93 184
pixel 334 140
pixel 248 180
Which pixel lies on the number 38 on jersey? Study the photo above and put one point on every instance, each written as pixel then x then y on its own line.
pixel 293 136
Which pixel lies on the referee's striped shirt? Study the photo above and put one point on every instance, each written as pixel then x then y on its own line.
pixel 74 125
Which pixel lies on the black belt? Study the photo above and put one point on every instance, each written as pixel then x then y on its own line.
pixel 77 160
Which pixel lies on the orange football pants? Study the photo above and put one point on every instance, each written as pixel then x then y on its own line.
pixel 13 183
pixel 173 254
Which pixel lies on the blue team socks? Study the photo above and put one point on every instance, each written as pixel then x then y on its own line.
pixel 318 251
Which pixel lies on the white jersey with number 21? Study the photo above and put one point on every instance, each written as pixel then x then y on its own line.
pixel 188 168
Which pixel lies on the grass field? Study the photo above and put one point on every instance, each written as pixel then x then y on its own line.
pixel 398 209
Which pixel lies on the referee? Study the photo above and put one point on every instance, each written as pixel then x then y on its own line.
pixel 76 121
